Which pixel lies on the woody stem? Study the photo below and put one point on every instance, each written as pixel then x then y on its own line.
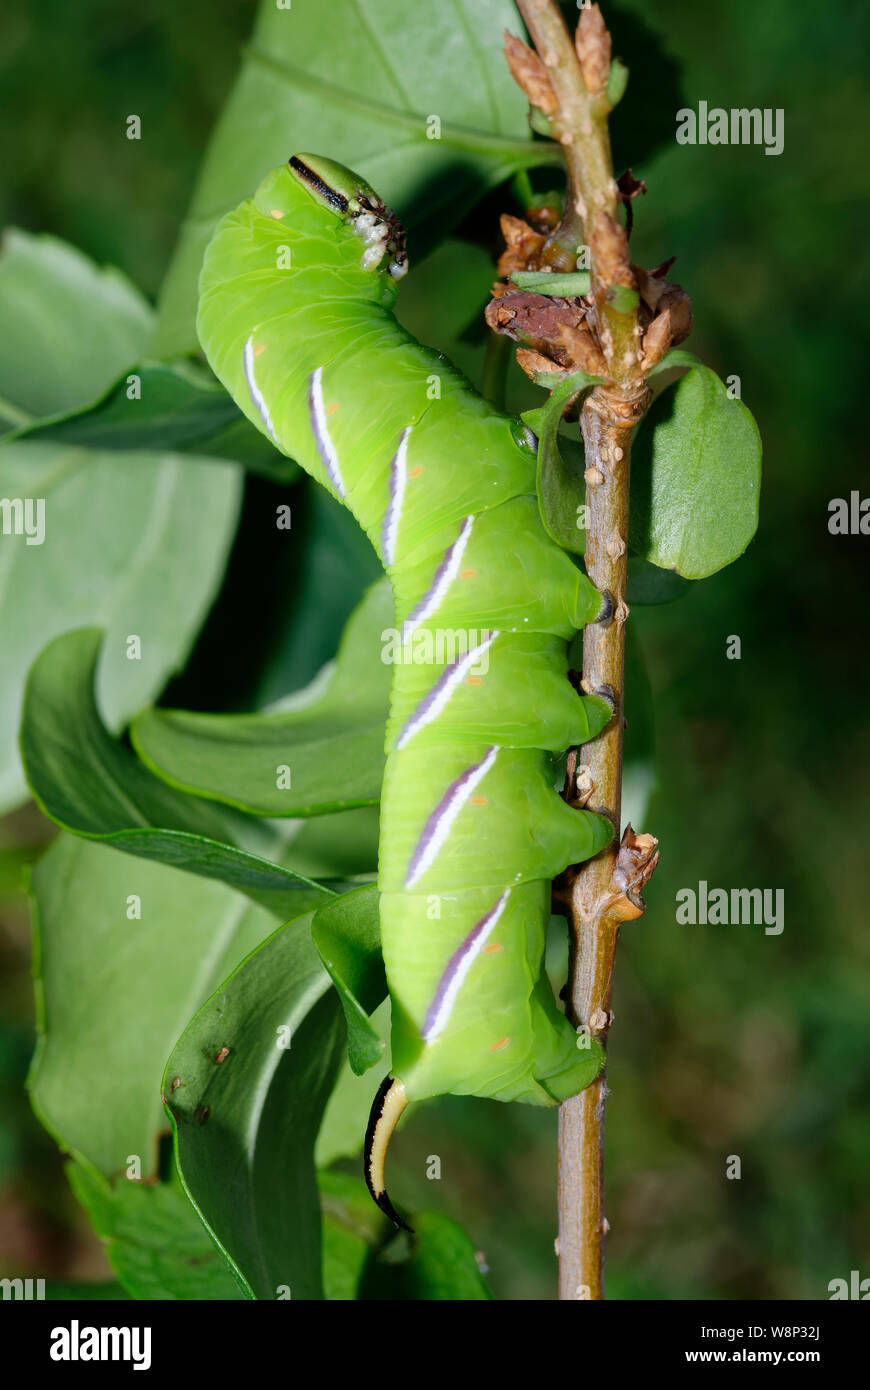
pixel 609 415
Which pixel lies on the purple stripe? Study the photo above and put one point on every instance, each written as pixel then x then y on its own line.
pixel 458 544
pixel 429 700
pixel 393 512
pixel 468 658
pixel 431 827
pixel 456 963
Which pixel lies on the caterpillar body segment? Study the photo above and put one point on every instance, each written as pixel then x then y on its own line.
pixel 296 295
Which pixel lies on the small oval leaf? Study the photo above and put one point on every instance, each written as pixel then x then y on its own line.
pixel 696 472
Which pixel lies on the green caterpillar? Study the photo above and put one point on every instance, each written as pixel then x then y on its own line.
pixel 295 318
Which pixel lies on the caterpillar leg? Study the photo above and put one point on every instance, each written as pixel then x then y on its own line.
pixel 386 1109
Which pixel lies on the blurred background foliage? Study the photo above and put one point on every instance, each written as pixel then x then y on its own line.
pixel 727 1041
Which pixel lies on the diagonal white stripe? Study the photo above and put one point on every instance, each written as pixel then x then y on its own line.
pixel 449 568
pixel 393 516
pixel 321 431
pixel 445 1008
pixel 256 394
pixel 441 829
pixel 431 707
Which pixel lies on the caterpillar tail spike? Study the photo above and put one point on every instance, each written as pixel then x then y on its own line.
pixel 386 1109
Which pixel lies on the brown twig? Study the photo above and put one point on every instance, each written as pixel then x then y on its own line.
pixel 628 324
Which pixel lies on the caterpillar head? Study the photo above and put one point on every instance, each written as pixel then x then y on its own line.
pixel 354 202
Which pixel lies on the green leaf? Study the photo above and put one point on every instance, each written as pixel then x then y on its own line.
pixel 113 994
pixel 75 1292
pixel 347 933
pixel 674 357
pixel 155 1241
pixel 439 1264
pixel 561 485
pixel 135 543
pixel 552 284
pixel 365 101
pixel 343 846
pixel 90 784
pixel 346 1116
pixel 696 472
pixel 173 406
pixel 245 1127
pixel 68 328
pixel 353 1230
pixel 330 736
pixel 365 1259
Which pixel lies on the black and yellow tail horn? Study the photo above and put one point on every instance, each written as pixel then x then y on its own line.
pixel 386 1109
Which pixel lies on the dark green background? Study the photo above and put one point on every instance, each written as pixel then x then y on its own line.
pixel 726 1042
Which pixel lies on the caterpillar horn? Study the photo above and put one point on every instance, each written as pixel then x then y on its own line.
pixel 386 1109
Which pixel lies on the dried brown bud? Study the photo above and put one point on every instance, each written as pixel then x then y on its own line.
pixel 533 319
pixel 679 307
pixel 656 340
pixel 635 862
pixel 593 49
pixel 545 218
pixel 523 246
pixel 658 294
pixel 535 363
pixel 609 247
pixel 529 72
pixel 650 286
pixel 582 350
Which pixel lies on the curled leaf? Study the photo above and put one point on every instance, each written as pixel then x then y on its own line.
pixel 561 484
pixel 567 286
